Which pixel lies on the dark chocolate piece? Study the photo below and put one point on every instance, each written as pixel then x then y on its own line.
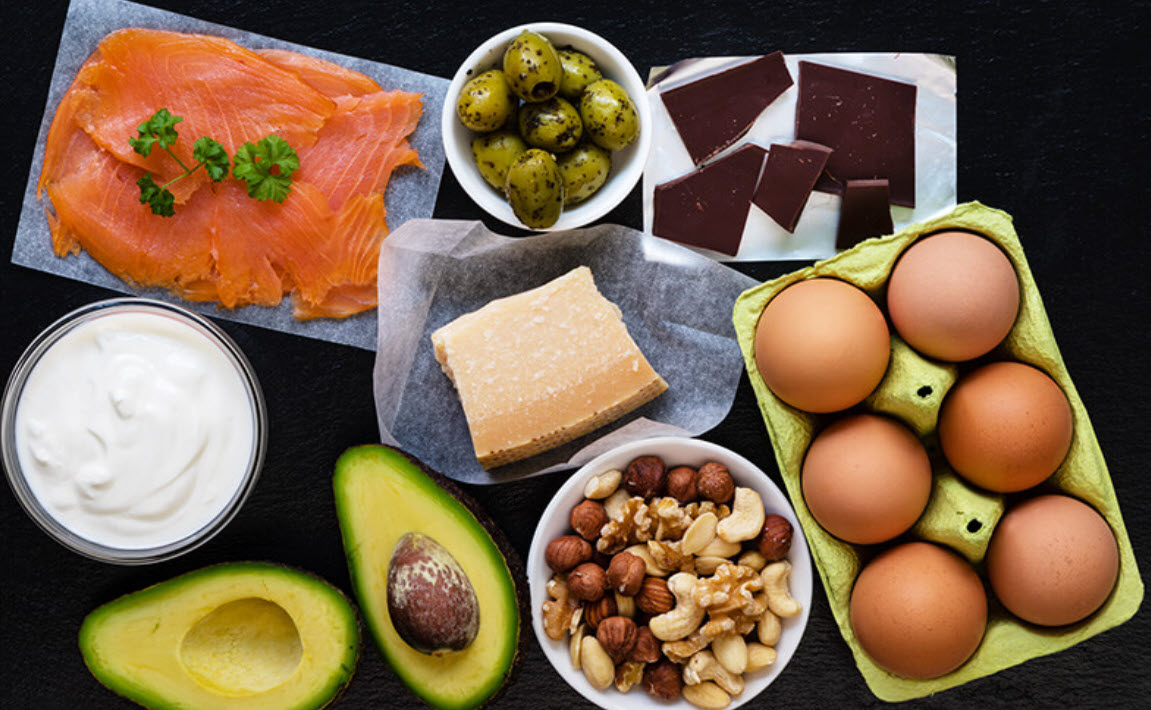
pixel 787 180
pixel 869 122
pixel 865 212
pixel 708 208
pixel 714 112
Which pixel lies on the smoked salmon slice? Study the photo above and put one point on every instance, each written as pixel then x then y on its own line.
pixel 320 245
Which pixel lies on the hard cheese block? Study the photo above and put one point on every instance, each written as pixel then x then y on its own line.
pixel 543 367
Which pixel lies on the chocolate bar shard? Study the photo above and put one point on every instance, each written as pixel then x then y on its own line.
pixel 865 212
pixel 714 112
pixel 868 121
pixel 708 207
pixel 788 178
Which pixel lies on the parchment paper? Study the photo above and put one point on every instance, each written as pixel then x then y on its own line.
pixel 676 304
pixel 814 237
pixel 410 193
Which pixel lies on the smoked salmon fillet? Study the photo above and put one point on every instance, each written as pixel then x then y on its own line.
pixel 320 245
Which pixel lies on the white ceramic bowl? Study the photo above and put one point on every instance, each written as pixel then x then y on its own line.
pixel 675 451
pixel 627 164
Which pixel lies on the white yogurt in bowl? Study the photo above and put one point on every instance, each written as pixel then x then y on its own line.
pixel 132 430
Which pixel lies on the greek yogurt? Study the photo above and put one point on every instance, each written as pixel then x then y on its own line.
pixel 135 429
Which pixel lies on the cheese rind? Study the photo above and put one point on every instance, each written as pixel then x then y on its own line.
pixel 540 368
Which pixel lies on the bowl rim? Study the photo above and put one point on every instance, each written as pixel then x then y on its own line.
pixel 14 473
pixel 802 575
pixel 621 183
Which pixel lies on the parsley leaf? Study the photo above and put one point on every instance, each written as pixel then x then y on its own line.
pixel 212 156
pixel 160 128
pixel 155 196
pixel 267 167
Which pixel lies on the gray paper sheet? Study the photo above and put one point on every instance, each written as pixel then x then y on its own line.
pixel 411 193
pixel 676 304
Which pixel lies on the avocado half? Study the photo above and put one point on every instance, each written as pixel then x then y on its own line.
pixel 383 495
pixel 238 635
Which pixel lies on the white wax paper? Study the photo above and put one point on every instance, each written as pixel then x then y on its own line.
pixel 814 237
pixel 676 304
pixel 411 192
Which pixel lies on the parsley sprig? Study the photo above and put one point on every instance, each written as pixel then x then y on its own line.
pixel 265 166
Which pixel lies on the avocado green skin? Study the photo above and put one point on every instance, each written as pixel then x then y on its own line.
pixel 494 154
pixel 535 189
pixel 533 67
pixel 486 102
pixel 511 559
pixel 553 125
pixel 579 71
pixel 147 698
pixel 584 171
pixel 608 114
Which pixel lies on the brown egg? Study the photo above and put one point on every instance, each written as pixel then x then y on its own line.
pixel 1005 427
pixel 953 296
pixel 1053 560
pixel 866 478
pixel 822 345
pixel 918 610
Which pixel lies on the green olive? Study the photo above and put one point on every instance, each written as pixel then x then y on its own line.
pixel 584 171
pixel 495 153
pixel 552 125
pixel 535 189
pixel 608 114
pixel 486 102
pixel 579 71
pixel 532 66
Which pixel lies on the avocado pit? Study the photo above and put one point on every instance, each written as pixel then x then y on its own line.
pixel 431 601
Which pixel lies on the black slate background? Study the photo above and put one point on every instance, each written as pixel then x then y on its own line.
pixel 1053 122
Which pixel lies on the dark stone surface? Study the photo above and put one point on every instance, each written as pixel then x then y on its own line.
pixel 1053 123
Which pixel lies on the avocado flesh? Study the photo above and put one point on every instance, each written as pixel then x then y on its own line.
pixel 237 635
pixel 381 495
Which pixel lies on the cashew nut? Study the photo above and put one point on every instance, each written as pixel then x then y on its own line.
pixel 613 506
pixel 597 665
pixel 769 629
pixel 731 652
pixel 719 548
pixel 699 534
pixel 706 695
pixel 603 485
pixel 779 599
pixel 652 568
pixel 577 638
pixel 759 657
pixel 704 666
pixel 753 559
pixel 746 519
pixel 685 617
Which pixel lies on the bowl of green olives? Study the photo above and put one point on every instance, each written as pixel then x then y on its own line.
pixel 547 126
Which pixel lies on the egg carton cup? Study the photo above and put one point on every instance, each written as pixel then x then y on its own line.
pixel 958 515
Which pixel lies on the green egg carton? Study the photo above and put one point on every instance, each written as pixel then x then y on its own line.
pixel 958 515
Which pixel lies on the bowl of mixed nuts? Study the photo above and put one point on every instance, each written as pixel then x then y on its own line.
pixel 669 571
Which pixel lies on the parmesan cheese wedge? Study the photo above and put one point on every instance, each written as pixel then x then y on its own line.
pixel 540 368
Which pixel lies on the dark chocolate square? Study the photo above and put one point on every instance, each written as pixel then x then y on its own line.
pixel 714 112
pixel 708 207
pixel 787 180
pixel 865 212
pixel 869 122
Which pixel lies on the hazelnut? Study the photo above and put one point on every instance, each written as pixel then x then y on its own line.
pixel 662 680
pixel 588 582
pixel 654 597
pixel 714 483
pixel 645 477
pixel 587 519
pixel 681 484
pixel 617 635
pixel 775 540
pixel 625 573
pixel 564 553
pixel 595 612
pixel 646 649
